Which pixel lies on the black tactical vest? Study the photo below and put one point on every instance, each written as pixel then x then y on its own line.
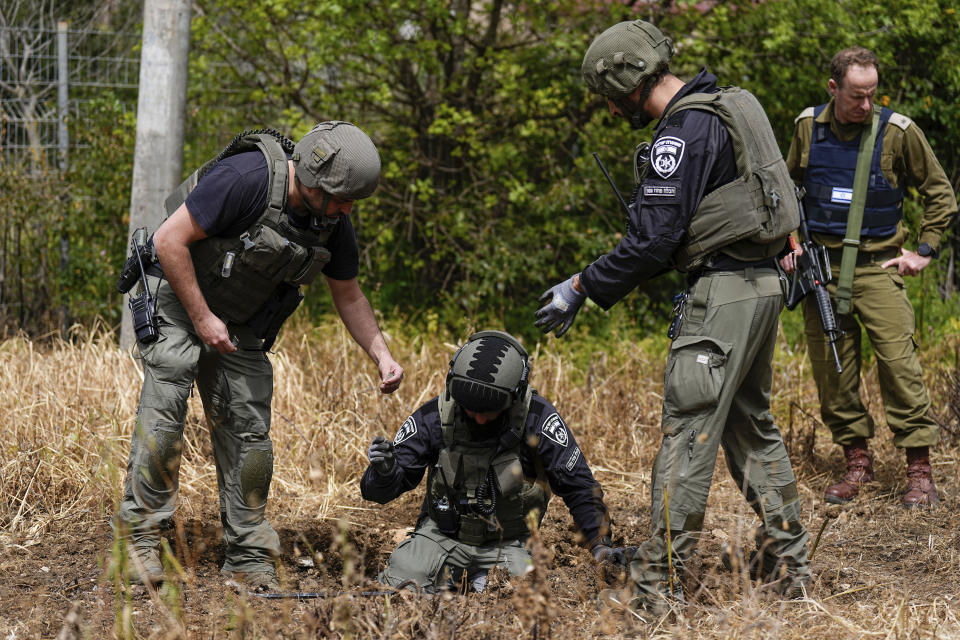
pixel 238 276
pixel 466 475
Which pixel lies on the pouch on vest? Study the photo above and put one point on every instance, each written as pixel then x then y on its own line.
pixel 266 322
pixel 261 260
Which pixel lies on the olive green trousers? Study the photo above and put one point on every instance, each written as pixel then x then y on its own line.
pixel 235 389
pixel 881 305
pixel 717 392
pixel 435 561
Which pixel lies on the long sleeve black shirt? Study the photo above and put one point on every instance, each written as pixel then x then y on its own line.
pixel 667 199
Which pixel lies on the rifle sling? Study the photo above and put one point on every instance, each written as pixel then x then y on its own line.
pixel 851 241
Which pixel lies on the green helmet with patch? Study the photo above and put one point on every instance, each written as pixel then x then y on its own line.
pixel 621 58
pixel 489 373
pixel 339 158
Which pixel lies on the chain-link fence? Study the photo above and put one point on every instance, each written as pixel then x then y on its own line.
pixel 48 76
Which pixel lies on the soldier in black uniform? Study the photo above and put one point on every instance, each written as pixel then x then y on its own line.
pixel 493 451
pixel 715 201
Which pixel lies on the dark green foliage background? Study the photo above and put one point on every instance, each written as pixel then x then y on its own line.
pixel 489 192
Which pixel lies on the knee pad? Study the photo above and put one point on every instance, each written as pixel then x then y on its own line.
pixel 160 466
pixel 256 471
pixel 157 471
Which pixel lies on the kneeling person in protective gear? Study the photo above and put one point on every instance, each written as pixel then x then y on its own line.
pixel 493 451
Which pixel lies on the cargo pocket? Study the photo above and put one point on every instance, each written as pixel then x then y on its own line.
pixel 694 375
pixel 419 558
pixel 897 279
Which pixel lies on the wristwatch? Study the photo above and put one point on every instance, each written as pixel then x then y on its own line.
pixel 926 251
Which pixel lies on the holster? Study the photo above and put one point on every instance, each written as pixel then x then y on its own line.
pixel 268 319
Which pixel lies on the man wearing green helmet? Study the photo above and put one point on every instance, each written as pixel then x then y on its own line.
pixel 243 233
pixel 493 451
pixel 713 200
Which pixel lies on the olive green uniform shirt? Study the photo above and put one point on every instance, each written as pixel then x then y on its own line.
pixel 906 159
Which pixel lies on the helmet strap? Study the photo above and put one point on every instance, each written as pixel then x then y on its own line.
pixel 637 116
pixel 319 220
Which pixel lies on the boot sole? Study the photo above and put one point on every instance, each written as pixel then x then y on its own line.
pixel 836 500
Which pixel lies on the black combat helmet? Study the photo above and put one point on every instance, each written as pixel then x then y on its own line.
pixel 489 373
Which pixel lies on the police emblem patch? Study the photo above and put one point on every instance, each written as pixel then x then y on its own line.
pixel 554 429
pixel 407 430
pixel 666 154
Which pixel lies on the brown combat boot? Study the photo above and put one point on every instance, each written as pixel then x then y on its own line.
pixel 859 473
pixel 921 492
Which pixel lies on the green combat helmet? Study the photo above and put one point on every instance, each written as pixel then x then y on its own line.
pixel 621 59
pixel 623 56
pixel 489 373
pixel 338 158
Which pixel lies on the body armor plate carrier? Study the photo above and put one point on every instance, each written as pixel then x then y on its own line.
pixel 828 181
pixel 260 270
pixel 484 485
pixel 750 217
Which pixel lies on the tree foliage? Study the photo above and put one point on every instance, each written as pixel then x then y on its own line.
pixel 489 192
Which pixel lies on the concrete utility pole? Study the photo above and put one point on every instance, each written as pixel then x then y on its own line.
pixel 161 110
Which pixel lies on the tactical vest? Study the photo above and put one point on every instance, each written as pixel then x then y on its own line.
pixel 239 275
pixel 828 181
pixel 750 217
pixel 467 475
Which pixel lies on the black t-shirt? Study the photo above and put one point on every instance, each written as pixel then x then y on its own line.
pixel 233 194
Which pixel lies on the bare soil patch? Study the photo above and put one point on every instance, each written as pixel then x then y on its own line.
pixel 880 570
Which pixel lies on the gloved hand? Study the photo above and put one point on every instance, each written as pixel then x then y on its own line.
pixel 564 302
pixel 382 456
pixel 605 554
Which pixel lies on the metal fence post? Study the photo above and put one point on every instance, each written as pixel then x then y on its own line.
pixel 63 94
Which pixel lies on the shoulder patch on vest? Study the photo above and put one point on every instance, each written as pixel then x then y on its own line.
pixel 554 429
pixel 407 430
pixel 806 113
pixel 666 154
pixel 572 460
pixel 900 120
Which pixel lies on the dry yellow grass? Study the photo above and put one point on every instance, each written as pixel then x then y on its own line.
pixel 68 411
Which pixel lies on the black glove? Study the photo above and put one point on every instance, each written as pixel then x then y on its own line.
pixel 606 554
pixel 382 456
pixel 564 302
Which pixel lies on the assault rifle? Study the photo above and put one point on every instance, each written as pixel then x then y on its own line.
pixel 812 273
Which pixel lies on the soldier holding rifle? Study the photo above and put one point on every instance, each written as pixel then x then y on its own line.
pixel 854 160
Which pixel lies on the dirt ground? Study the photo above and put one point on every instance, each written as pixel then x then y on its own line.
pixel 879 570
